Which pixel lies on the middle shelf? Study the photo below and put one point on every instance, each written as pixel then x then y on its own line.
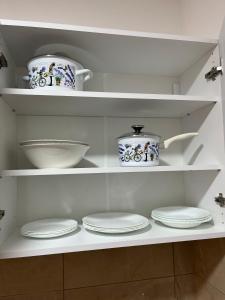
pixel 108 170
pixel 82 103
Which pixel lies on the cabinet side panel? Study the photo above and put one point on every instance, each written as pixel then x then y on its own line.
pixel 7 75
pixel 7 137
pixel 8 196
pixel 208 147
pixel 8 187
pixel 193 82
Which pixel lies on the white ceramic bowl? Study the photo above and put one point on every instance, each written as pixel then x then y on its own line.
pixel 54 153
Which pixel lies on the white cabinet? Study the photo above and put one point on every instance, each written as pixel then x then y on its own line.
pixel 134 75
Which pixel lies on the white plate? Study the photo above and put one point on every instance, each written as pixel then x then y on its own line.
pixel 178 224
pixel 114 230
pixel 181 213
pixel 124 228
pixel 53 235
pixel 182 221
pixel 181 225
pixel 49 228
pixel 114 220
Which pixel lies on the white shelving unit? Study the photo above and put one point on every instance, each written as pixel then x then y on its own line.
pixel 124 63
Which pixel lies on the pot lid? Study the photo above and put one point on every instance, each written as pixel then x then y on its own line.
pixel 137 133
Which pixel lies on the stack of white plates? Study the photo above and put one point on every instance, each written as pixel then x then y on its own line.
pixel 115 222
pixel 181 216
pixel 49 228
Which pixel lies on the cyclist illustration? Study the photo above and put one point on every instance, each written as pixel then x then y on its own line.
pixel 154 151
pixel 39 80
pixel 51 75
pixel 50 72
pixel 146 150
pixel 130 153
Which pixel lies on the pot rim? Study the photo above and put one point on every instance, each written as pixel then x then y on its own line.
pixel 144 135
pixel 54 56
pixel 137 133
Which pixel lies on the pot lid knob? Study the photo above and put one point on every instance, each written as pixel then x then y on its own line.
pixel 137 128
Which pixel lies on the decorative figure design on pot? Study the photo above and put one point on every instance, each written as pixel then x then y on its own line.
pixel 142 148
pixel 52 71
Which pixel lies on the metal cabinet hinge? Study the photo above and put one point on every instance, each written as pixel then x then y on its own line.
pixel 2 213
pixel 3 61
pixel 213 73
pixel 220 200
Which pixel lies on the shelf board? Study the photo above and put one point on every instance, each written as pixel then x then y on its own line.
pixel 106 50
pixel 45 102
pixel 82 240
pixel 108 170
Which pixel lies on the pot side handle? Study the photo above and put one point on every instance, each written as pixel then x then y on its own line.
pixel 179 137
pixel 26 78
pixel 85 71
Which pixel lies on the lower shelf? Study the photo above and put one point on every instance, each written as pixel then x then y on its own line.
pixel 108 170
pixel 82 240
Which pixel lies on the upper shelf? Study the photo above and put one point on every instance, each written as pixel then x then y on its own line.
pixel 106 50
pixel 43 102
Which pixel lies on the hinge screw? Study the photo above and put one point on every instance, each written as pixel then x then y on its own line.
pixel 2 213
pixel 220 200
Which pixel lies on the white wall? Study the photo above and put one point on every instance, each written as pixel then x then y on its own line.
pixel 202 17
pixel 191 17
pixel 143 15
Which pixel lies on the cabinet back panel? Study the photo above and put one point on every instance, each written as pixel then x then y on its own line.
pixel 76 196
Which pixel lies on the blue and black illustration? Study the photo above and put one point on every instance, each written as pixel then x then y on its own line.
pixel 137 153
pixel 52 75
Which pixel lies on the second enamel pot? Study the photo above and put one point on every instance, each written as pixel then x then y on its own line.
pixel 142 148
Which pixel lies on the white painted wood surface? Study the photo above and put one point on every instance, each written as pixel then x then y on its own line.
pixel 106 50
pixel 109 170
pixel 45 102
pixel 18 246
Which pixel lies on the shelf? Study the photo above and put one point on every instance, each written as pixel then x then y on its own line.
pixel 109 170
pixel 82 240
pixel 40 102
pixel 106 50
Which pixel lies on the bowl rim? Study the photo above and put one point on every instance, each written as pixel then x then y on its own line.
pixel 51 142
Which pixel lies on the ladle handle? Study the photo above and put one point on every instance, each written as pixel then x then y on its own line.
pixel 179 137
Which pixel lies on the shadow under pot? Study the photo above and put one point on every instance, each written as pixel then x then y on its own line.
pixel 56 73
pixel 142 149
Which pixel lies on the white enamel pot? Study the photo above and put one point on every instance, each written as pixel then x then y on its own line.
pixel 141 149
pixel 56 73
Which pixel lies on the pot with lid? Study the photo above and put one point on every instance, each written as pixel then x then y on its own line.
pixel 56 72
pixel 141 149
